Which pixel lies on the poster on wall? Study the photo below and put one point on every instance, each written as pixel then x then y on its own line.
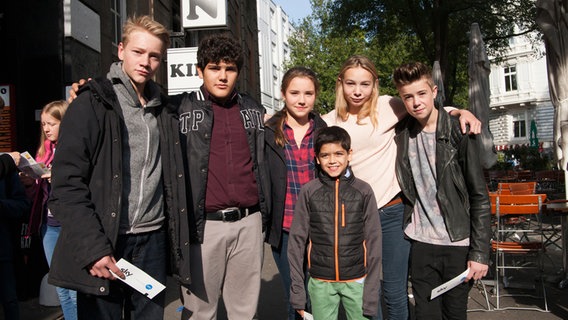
pixel 204 14
pixel 7 119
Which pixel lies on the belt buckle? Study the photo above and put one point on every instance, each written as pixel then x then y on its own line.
pixel 231 214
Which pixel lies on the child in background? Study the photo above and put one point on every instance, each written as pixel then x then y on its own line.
pixel 447 213
pixel 41 219
pixel 336 220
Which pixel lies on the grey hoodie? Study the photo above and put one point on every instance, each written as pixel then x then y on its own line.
pixel 142 208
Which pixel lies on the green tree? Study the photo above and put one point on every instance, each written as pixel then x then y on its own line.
pixel 440 28
pixel 323 48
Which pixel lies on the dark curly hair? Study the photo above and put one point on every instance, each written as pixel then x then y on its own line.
pixel 217 48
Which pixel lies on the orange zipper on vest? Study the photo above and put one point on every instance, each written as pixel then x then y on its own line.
pixel 335 245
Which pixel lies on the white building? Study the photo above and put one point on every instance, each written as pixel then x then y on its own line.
pixel 274 29
pixel 519 95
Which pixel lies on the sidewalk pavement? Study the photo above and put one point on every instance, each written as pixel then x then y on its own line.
pixel 272 307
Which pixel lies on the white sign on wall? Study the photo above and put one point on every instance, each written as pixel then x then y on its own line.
pixel 203 14
pixel 182 70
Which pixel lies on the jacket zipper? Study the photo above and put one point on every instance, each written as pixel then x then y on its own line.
pixel 336 227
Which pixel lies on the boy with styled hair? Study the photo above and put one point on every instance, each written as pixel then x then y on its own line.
pixel 224 133
pixel 336 220
pixel 447 212
pixel 116 177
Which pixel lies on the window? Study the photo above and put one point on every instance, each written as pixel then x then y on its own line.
pixel 116 11
pixel 510 78
pixel 519 125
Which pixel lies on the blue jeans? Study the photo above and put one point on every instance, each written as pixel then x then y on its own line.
pixel 281 259
pixel 67 298
pixel 147 251
pixel 396 252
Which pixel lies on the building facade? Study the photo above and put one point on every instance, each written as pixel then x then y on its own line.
pixel 48 45
pixel 274 30
pixel 520 100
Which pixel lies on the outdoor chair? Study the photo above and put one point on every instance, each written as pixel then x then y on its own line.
pixel 518 245
pixel 517 188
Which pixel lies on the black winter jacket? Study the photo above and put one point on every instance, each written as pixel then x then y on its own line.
pixel 87 184
pixel 14 208
pixel 338 223
pixel 196 124
pixel 278 173
pixel 462 193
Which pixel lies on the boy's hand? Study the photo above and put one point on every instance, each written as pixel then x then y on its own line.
pixel 74 88
pixel 476 270
pixel 101 267
pixel 466 117
pixel 301 312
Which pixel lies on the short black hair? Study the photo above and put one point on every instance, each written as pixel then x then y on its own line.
pixel 219 47
pixel 332 134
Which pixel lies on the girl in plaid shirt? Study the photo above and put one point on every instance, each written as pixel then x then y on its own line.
pixel 290 155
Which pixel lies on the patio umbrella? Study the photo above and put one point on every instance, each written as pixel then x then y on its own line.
pixel 533 138
pixel 439 82
pixel 551 16
pixel 478 70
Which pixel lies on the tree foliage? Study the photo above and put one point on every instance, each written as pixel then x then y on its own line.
pixel 323 48
pixel 395 31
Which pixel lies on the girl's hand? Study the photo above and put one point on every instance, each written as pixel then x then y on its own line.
pixel 47 176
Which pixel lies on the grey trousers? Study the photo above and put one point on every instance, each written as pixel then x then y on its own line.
pixel 228 263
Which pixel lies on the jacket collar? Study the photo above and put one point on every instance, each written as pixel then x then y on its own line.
pixel 151 91
pixel 346 176
pixel 444 125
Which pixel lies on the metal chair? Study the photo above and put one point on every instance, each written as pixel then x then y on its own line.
pixel 517 240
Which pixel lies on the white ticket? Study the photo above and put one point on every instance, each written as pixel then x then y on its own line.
pixel 138 279
pixel 445 287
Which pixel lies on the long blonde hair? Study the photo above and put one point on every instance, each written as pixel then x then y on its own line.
pixel 369 109
pixel 56 109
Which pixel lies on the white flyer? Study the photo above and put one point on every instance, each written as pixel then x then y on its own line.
pixel 138 279
pixel 445 287
pixel 308 316
pixel 30 167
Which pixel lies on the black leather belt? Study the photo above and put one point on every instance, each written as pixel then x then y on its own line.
pixel 232 214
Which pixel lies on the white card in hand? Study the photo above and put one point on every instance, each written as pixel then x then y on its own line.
pixel 308 316
pixel 138 279
pixel 445 287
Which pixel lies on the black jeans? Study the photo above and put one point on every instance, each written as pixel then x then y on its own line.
pixel 430 266
pixel 148 252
